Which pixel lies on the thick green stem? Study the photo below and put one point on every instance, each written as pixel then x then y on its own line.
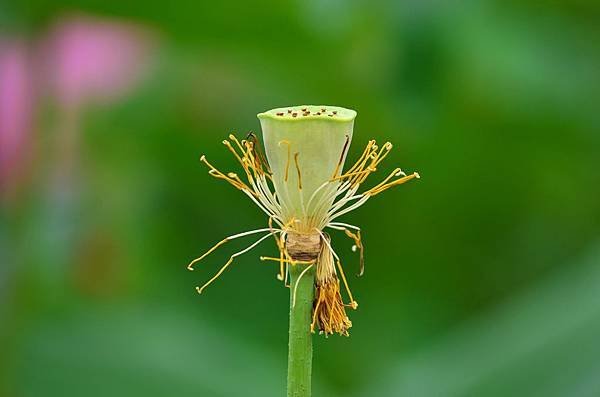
pixel 300 345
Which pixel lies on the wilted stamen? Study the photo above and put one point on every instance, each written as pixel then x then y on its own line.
pixel 325 239
pixel 328 308
pixel 358 245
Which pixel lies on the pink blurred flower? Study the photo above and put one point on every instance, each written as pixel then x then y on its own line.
pixel 95 59
pixel 16 102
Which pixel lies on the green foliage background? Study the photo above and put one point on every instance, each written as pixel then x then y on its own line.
pixel 481 278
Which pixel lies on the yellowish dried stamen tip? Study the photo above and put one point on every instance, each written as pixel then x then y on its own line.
pixel 329 311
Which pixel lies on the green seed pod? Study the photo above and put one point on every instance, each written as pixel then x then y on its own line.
pixel 306 147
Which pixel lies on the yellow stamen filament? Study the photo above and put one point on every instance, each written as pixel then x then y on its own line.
pixel 353 303
pixel 282 265
pixel 318 299
pixel 394 183
pixel 231 258
pixel 219 175
pixel 280 247
pixel 358 244
pixel 232 150
pixel 226 239
pixel 365 154
pixel 329 311
pixel 339 265
pixel 368 169
pixel 395 172
pixel 298 282
pixel 233 138
pixel 292 261
pixel 190 266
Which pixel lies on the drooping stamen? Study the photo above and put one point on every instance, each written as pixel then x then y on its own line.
pixel 231 258
pixel 282 265
pixel 341 226
pixel 280 247
pixel 226 239
pixel 298 282
pixel 318 299
pixel 356 237
pixel 328 308
pixel 353 303
pixel 358 244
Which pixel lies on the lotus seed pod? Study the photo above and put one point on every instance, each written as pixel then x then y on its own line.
pixel 306 147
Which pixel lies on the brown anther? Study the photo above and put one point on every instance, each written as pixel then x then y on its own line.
pixel 318 113
pixel 334 112
pixel 289 110
pixel 280 114
pixel 323 110
pixel 330 115
pixel 294 114
pixel 304 109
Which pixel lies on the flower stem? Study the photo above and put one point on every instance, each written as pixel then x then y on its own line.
pixel 300 344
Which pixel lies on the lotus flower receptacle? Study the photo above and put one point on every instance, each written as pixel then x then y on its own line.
pixel 305 146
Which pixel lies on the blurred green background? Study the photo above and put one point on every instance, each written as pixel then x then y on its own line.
pixel 482 278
